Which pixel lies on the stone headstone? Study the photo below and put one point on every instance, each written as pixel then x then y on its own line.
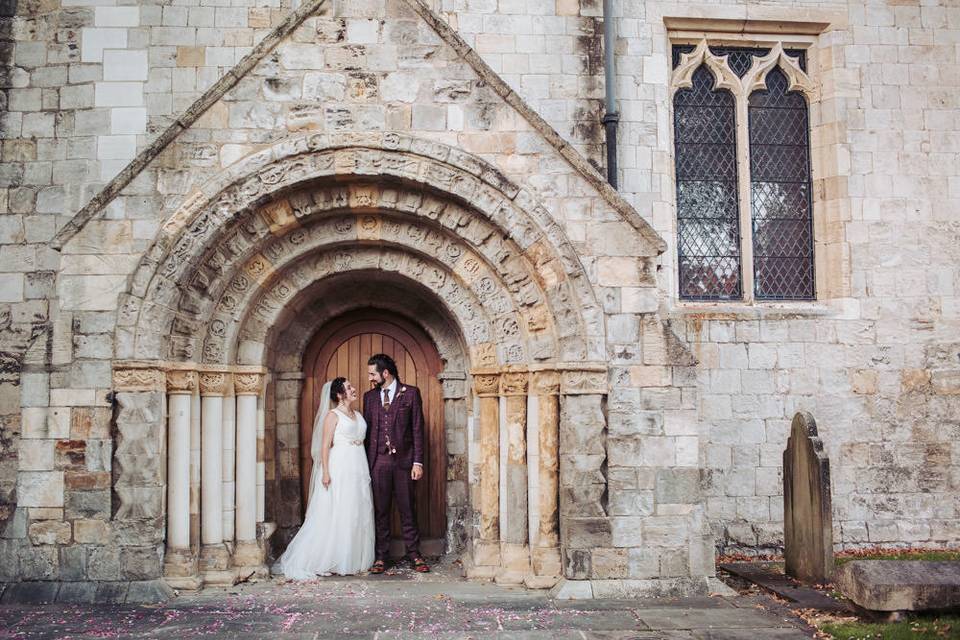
pixel 807 510
pixel 900 585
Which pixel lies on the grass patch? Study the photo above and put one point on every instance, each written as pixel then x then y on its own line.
pixel 902 555
pixel 924 628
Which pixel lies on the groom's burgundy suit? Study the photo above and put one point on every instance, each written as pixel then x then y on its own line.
pixel 402 427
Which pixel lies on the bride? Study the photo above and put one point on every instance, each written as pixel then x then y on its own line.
pixel 337 535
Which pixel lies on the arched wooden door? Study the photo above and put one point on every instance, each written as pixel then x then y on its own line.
pixel 342 348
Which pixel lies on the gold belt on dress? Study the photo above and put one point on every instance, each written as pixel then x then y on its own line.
pixel 353 442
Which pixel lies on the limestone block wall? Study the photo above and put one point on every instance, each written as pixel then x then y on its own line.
pixel 354 68
pixel 686 444
pixel 875 358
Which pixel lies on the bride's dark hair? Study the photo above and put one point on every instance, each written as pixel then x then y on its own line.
pixel 336 388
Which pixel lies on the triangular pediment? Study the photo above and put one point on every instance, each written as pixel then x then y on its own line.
pixel 404 69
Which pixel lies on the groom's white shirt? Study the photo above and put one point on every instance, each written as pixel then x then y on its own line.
pixel 391 396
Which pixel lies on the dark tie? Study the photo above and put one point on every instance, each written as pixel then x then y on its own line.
pixel 386 399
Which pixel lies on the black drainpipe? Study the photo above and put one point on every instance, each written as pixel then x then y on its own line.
pixel 612 116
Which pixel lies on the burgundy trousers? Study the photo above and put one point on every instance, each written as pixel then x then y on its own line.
pixel 392 483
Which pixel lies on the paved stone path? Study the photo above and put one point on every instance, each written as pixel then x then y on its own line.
pixel 406 606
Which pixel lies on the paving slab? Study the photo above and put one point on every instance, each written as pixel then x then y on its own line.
pixel 677 618
pixel 353 608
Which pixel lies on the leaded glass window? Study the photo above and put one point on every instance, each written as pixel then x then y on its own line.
pixel 706 171
pixel 743 178
pixel 780 192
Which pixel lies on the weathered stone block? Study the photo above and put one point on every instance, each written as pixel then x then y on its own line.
pixel 112 592
pixel 40 489
pixel 643 563
pixel 31 593
pixel 77 592
pixel 609 563
pixel 626 531
pixel 586 533
pixel 103 563
pixel 140 563
pixel 73 562
pixel 678 486
pixel 139 502
pixel 88 504
pixel 49 532
pixel 9 560
pixel 149 592
pixel 576 564
pixel 39 563
pixel 900 585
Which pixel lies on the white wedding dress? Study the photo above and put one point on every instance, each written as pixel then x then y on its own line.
pixel 338 534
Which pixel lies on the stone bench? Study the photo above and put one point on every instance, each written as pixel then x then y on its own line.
pixel 900 585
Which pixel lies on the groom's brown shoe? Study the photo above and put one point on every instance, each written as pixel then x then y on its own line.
pixel 420 566
pixel 378 567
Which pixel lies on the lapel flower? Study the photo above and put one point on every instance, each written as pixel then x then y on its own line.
pixel 402 389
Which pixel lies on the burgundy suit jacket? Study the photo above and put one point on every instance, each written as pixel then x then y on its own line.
pixel 405 424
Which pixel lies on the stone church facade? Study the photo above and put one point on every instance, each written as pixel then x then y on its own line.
pixel 191 191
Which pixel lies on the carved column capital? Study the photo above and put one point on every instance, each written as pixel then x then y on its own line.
pixel 181 381
pixel 486 384
pixel 545 383
pixel 514 383
pixel 583 382
pixel 213 383
pixel 139 379
pixel 248 384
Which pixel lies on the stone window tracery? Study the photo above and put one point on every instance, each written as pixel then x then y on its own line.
pixel 743 176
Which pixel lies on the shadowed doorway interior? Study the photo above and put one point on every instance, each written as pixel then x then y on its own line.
pixel 341 348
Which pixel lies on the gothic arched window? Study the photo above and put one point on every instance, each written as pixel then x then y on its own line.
pixel 780 196
pixel 708 224
pixel 743 177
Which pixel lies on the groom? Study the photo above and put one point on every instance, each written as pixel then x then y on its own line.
pixel 394 442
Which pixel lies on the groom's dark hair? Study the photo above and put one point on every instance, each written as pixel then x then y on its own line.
pixel 383 363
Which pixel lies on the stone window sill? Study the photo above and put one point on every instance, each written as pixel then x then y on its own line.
pixel 755 310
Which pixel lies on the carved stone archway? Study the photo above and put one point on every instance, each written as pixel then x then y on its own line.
pixel 227 281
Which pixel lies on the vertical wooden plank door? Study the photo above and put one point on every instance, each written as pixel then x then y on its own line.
pixel 342 348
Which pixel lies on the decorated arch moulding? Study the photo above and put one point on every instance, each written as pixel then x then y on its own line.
pixel 288 339
pixel 538 305
pixel 461 179
pixel 473 313
pixel 460 278
pixel 754 80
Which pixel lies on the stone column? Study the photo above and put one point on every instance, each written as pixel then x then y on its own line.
pixel 229 464
pixel 545 387
pixel 261 458
pixel 247 555
pixel 214 557
pixel 139 470
pixel 584 524
pixel 195 470
pixel 180 563
pixel 486 546
pixel 514 518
